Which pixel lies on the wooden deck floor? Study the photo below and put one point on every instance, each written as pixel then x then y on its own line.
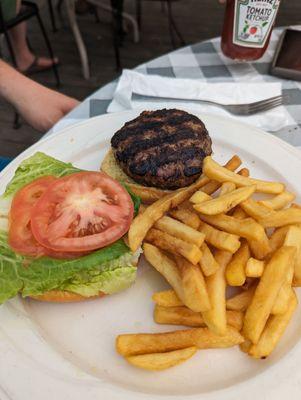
pixel 197 19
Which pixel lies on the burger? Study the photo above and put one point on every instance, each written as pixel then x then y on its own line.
pixel 160 150
pixel 63 233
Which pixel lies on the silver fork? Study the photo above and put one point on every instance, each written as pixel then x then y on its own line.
pixel 236 109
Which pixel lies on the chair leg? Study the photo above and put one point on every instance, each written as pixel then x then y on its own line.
pixel 78 38
pixel 95 12
pixel 54 66
pixel 117 10
pixel 173 27
pixel 52 17
pixel 170 26
pixel 138 13
pixel 10 49
pixel 59 10
pixel 16 124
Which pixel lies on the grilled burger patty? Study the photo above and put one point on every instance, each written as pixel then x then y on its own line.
pixel 163 148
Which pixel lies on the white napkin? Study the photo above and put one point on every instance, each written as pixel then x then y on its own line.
pixel 133 83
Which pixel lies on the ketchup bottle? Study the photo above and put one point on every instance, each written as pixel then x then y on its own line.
pixel 247 28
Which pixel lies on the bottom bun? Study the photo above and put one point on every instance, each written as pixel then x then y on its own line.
pixel 63 296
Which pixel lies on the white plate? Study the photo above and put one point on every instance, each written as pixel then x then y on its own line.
pixel 67 351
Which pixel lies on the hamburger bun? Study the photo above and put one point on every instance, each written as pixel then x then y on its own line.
pixel 110 166
pixel 63 296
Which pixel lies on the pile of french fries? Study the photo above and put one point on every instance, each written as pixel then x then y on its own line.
pixel 205 238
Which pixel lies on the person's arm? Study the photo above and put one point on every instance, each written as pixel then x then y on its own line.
pixel 39 106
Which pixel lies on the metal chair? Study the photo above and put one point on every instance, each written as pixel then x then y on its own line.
pixel 52 16
pixel 173 29
pixel 28 10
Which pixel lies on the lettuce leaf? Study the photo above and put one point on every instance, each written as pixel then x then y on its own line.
pixel 36 166
pixel 115 277
pixel 86 275
pixel 108 270
pixel 10 263
pixel 135 199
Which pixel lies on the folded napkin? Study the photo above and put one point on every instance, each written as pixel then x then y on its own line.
pixel 133 91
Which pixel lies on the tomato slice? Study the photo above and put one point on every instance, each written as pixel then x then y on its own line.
pixel 82 212
pixel 20 237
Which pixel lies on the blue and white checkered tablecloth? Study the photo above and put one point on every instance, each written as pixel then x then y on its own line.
pixel 205 61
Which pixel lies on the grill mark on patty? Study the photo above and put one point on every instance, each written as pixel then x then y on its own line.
pixel 163 148
pixel 159 157
pixel 158 139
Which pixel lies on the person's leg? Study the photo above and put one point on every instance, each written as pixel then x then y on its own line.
pixel 24 56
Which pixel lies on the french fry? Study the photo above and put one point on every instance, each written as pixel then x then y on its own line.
pixel 167 298
pixel 245 346
pixel 226 202
pixel 266 292
pixel 147 194
pixel 239 213
pixel 235 319
pixel 189 217
pixel 194 287
pixel 143 222
pixel 244 172
pixel 254 268
pixel 281 303
pixel 180 230
pixel 202 338
pixel 232 165
pixel 207 262
pixel 166 267
pixel 184 316
pixel 161 361
pixel 220 239
pixel 227 187
pixel 247 228
pixel 241 301
pixel 211 187
pixel 256 210
pixel 292 238
pixel 199 197
pixel 235 270
pixel 297 282
pixel 288 216
pixel 216 172
pixel 277 238
pixel 142 208
pixel 280 201
pixel 174 245
pixel 215 318
pixel 274 330
pixel 260 248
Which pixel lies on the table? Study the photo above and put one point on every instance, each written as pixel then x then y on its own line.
pixel 204 61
